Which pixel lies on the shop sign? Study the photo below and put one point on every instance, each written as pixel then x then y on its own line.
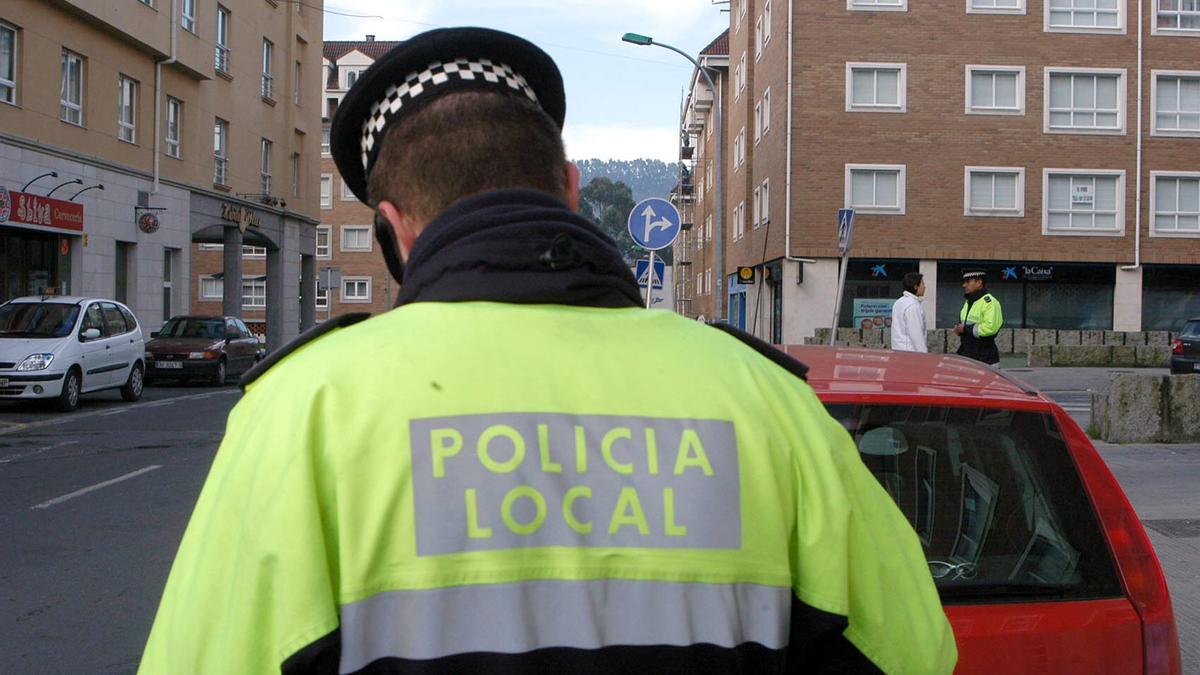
pixel 873 313
pixel 1038 272
pixel 31 209
pixel 241 215
pixel 148 222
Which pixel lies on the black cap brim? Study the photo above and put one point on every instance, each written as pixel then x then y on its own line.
pixel 524 62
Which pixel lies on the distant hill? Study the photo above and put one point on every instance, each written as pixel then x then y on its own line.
pixel 645 177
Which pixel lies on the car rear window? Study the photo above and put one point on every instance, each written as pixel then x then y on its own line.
pixel 1191 329
pixel 994 497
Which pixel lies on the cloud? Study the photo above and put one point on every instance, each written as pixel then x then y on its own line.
pixel 605 141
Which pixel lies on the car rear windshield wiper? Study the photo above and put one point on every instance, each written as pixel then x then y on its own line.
pixel 1001 590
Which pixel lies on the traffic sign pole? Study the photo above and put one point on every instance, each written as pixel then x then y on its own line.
pixel 650 281
pixel 845 241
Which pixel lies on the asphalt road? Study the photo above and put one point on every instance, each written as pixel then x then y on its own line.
pixel 92 507
pixel 93 504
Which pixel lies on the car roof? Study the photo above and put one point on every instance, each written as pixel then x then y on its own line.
pixel 60 299
pixel 856 370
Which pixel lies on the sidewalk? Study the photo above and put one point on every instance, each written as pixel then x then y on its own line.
pixel 1074 379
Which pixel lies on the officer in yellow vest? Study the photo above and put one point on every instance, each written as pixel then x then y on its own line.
pixel 484 479
pixel 979 320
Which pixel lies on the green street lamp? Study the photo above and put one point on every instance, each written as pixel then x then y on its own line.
pixel 719 253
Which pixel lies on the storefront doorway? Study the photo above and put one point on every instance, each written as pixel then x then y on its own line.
pixel 31 263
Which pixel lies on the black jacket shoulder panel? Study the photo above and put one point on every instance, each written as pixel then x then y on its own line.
pixel 776 356
pixel 302 339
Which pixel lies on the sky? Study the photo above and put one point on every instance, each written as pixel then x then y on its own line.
pixel 623 100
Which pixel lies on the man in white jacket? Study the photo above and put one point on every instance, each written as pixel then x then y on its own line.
pixel 908 316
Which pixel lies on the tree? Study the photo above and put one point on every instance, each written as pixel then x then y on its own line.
pixel 607 204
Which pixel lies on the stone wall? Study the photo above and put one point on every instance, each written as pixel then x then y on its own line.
pixel 1148 409
pixel 1009 340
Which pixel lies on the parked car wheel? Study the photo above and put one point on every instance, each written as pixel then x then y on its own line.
pixel 220 374
pixel 132 389
pixel 68 400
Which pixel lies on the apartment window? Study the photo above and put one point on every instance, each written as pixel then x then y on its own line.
pixel 756 208
pixel 766 29
pixel 875 188
pixel 876 87
pixel 1085 201
pixel 295 174
pixel 220 156
pixel 8 63
pixel 1176 103
pixel 268 80
pixel 356 238
pixel 325 152
pixel 708 221
pixel 1086 16
pixel 1180 17
pixel 71 96
pixel 347 195
pixel 766 111
pixel 1176 199
pixel 758 122
pixel 254 292
pixel 327 191
pixel 739 148
pixel 739 221
pixel 351 78
pixel 739 77
pixel 254 251
pixel 321 297
pixel 994 191
pixel 174 127
pixel 1085 101
pixel 878 5
pixel 699 283
pixel 995 6
pixel 995 90
pixel 758 38
pixel 211 288
pixel 187 15
pixel 296 79
pixel 221 62
pixel 264 166
pixel 356 289
pixel 765 191
pixel 127 109
pixel 324 232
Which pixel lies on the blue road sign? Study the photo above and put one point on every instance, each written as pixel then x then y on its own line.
pixel 654 223
pixel 845 229
pixel 642 266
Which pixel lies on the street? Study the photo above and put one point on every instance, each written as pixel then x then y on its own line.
pixel 92 507
pixel 93 504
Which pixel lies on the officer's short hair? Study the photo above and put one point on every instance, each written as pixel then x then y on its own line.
pixel 465 143
pixel 912 280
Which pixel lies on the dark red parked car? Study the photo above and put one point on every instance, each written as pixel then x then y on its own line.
pixel 1041 562
pixel 209 348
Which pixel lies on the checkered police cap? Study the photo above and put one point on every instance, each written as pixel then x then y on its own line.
pixel 429 65
pixel 974 273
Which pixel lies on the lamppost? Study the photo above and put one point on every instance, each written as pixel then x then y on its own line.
pixel 77 181
pixel 645 41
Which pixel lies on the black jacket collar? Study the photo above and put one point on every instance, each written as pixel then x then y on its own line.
pixel 518 246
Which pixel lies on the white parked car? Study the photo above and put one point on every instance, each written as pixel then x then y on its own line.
pixel 58 347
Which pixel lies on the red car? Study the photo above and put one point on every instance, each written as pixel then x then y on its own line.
pixel 209 348
pixel 1041 562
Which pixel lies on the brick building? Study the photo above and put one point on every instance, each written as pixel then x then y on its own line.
pixel 168 123
pixel 1001 133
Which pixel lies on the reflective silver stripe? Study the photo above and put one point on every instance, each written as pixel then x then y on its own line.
pixel 521 617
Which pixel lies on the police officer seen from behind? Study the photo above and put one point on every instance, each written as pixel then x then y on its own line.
pixel 482 480
pixel 979 320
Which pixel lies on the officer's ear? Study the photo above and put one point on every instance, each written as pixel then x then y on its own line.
pixel 572 186
pixel 404 228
